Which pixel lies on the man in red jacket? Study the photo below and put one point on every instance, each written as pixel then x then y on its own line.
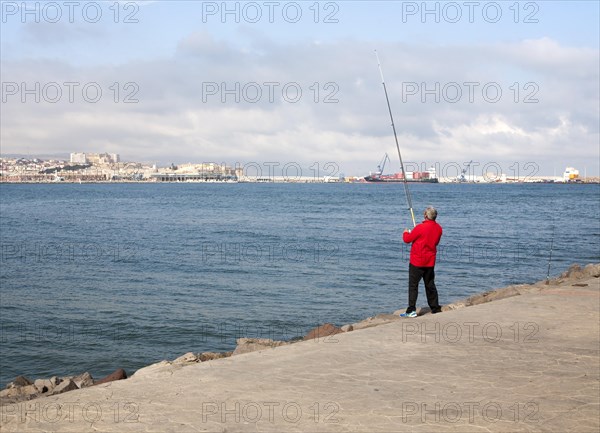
pixel 424 237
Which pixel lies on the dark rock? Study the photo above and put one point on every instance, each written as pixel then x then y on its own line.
pixel 116 375
pixel 19 382
pixel 209 356
pixel 64 386
pixel 322 331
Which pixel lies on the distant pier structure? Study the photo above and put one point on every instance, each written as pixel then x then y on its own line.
pixel 204 172
pixel 197 177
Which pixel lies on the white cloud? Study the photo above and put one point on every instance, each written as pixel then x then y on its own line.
pixel 172 122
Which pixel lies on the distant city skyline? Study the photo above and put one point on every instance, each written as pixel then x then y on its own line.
pixel 507 83
pixel 446 169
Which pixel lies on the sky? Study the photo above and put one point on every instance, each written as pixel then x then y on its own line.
pixel 512 86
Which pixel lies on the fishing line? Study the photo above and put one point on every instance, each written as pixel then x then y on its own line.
pixel 550 258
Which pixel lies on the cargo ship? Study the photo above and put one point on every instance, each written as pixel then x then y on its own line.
pixel 415 176
pixel 428 176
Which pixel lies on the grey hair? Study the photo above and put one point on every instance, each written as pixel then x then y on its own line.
pixel 431 213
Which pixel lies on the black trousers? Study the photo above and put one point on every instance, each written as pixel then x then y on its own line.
pixel 415 273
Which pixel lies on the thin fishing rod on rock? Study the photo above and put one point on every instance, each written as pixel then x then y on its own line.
pixel 406 190
pixel 550 258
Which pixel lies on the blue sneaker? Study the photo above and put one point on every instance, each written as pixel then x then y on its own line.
pixel 411 314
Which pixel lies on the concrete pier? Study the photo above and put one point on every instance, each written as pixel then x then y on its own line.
pixel 528 363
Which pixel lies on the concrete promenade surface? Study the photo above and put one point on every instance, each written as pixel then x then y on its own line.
pixel 525 363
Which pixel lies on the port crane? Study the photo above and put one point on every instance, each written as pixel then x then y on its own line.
pixel 381 165
pixel 462 177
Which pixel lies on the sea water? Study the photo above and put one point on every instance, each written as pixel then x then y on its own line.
pixel 96 277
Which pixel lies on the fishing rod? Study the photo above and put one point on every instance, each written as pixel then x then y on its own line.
pixel 550 259
pixel 406 190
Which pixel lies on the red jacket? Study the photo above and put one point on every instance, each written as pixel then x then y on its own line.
pixel 424 237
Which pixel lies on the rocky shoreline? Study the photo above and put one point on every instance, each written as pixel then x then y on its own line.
pixel 24 389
